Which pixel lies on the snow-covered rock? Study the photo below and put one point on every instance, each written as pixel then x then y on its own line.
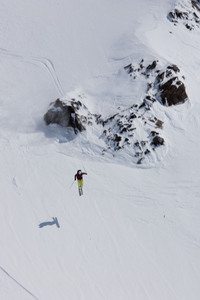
pixel 186 12
pixel 68 114
pixel 164 85
pixel 137 128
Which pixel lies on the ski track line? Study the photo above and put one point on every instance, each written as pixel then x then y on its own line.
pixel 33 296
pixel 45 62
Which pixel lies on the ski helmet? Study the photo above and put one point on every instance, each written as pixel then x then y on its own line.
pixel 79 172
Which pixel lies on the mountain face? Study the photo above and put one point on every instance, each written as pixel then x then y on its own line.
pixel 164 84
pixel 111 88
pixel 133 128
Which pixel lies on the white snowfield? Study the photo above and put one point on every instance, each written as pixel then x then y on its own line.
pixel 135 233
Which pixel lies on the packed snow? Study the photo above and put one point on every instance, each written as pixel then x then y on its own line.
pixel 134 234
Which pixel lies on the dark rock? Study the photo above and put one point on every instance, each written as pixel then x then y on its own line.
pixel 149 86
pixel 157 141
pixel 188 26
pixel 195 15
pixel 159 124
pixel 131 129
pixel 195 4
pixel 149 99
pixel 160 77
pixel 132 116
pixel 98 119
pixel 168 73
pixel 173 92
pixel 142 105
pixel 180 15
pixel 174 68
pixel 143 143
pixel 188 17
pixel 154 133
pixel 152 66
pixel 117 138
pixel 137 154
pixel 140 160
pixel 171 16
pixel 64 115
pixel 147 151
pixel 134 106
pixel 124 129
pixel 137 145
pixel 141 66
pixel 129 68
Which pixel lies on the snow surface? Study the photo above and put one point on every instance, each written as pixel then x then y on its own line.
pixel 134 234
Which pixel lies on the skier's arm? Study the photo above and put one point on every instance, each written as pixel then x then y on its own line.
pixel 84 173
pixel 75 177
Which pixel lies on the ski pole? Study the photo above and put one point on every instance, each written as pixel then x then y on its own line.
pixel 72 184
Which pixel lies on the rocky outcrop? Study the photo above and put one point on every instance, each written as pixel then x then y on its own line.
pixel 136 128
pixel 157 141
pixel 187 14
pixel 67 115
pixel 165 86
pixel 132 129
pixel 196 4
pixel 172 92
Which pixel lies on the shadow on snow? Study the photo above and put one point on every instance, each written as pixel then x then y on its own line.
pixel 50 223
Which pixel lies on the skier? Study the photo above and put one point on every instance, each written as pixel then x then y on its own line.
pixel 79 176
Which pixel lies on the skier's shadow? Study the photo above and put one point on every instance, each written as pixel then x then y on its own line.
pixel 50 223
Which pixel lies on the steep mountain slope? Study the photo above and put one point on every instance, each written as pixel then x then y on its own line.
pixel 134 234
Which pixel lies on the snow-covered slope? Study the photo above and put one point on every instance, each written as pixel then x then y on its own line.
pixel 134 234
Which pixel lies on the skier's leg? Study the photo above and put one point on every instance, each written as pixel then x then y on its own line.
pixel 81 184
pixel 79 187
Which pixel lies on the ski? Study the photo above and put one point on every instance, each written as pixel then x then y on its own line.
pixel 80 191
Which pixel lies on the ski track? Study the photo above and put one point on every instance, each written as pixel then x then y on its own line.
pixel 19 284
pixel 45 62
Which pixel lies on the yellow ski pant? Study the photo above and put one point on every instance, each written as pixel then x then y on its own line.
pixel 80 183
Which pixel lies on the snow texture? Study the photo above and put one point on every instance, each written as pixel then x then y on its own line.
pixel 134 233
